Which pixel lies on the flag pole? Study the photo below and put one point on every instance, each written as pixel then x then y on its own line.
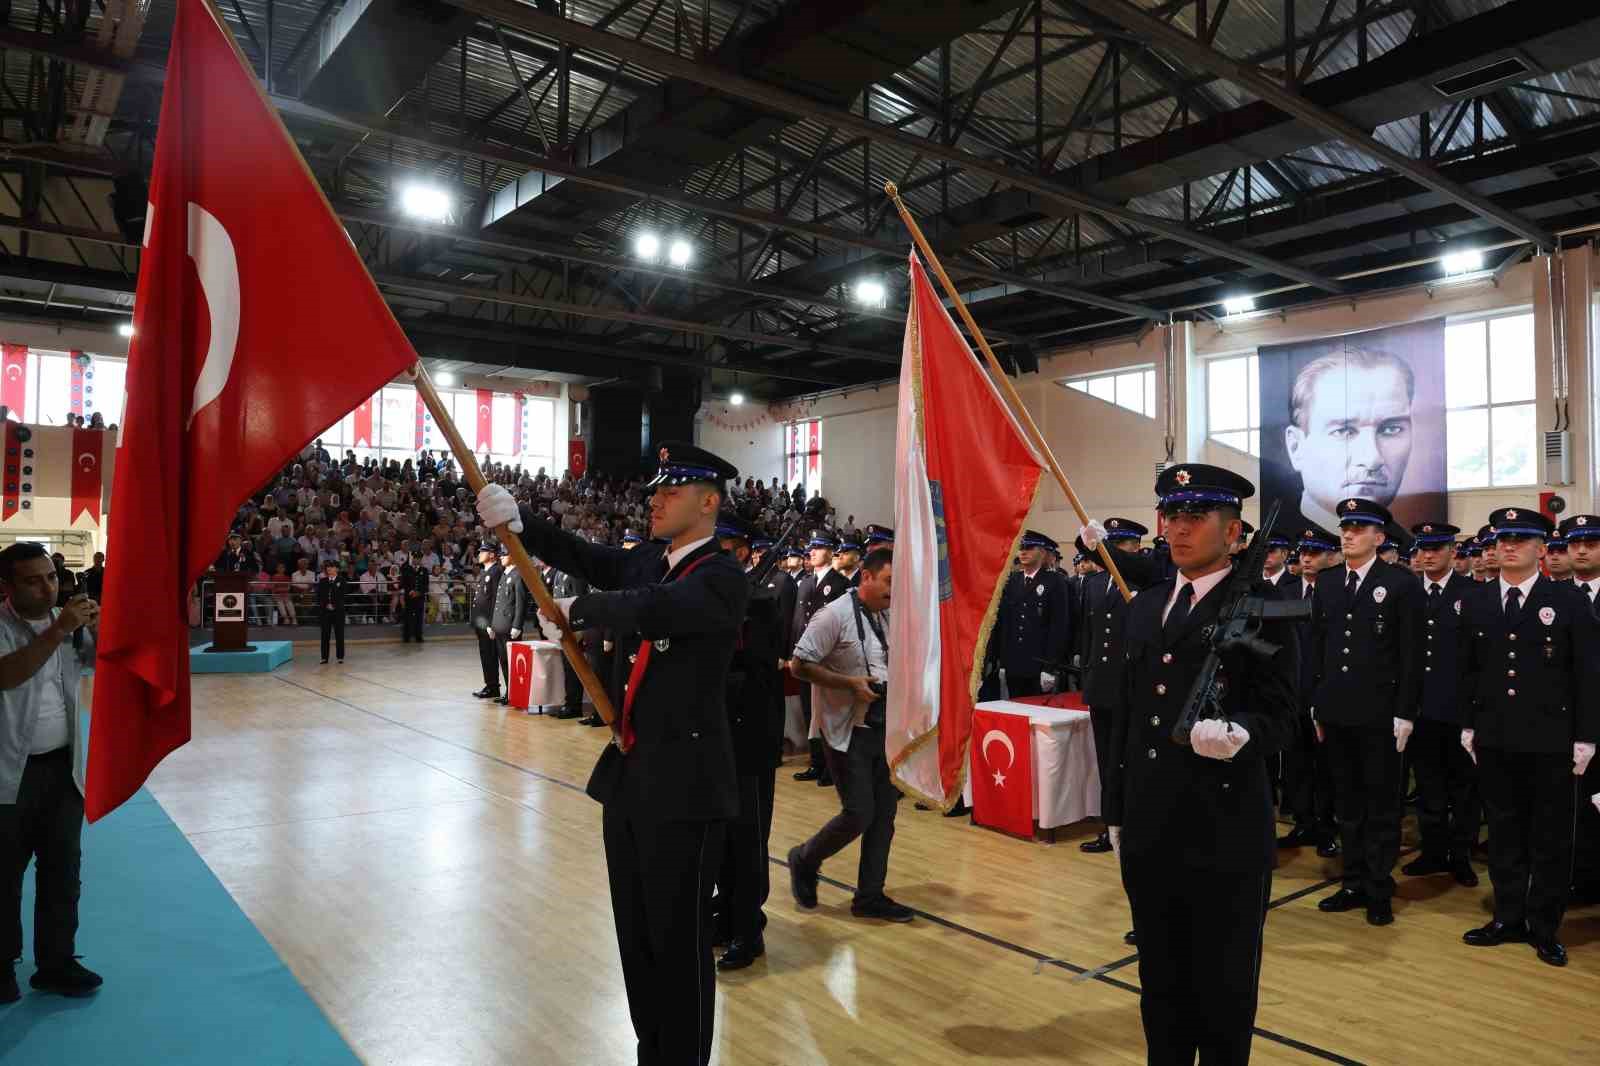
pixel 519 555
pixel 999 374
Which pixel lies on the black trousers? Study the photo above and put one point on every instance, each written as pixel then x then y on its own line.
pixel 868 798
pixel 44 825
pixel 1366 780
pixel 502 651
pixel 744 880
pixel 1308 792
pixel 489 660
pixel 332 625
pixel 661 875
pixel 1200 934
pixel 573 687
pixel 1100 722
pixel 1528 798
pixel 1586 853
pixel 1022 684
pixel 816 745
pixel 1448 812
pixel 411 618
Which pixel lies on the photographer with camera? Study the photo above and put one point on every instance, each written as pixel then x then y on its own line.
pixel 845 654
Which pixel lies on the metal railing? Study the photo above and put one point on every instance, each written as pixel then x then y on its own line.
pixel 269 604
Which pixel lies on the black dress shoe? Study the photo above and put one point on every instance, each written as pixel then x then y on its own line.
pixel 1464 874
pixel 1098 845
pixel 591 719
pixel 882 907
pixel 1131 936
pixel 1298 837
pixel 802 882
pixel 502 700
pixel 1426 867
pixel 1328 849
pixel 742 952
pixel 960 810
pixel 1380 912
pixel 810 773
pixel 486 693
pixel 1494 933
pixel 1341 901
pixel 9 992
pixel 721 933
pixel 1550 951
pixel 68 979
pixel 566 714
pixel 825 781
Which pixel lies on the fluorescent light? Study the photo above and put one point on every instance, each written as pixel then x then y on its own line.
pixel 1462 262
pixel 125 329
pixel 678 255
pixel 1238 305
pixel 444 377
pixel 736 398
pixel 647 246
pixel 871 293
pixel 427 202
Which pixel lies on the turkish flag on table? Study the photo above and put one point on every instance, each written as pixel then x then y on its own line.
pixel 247 282
pixel 1002 772
pixel 519 661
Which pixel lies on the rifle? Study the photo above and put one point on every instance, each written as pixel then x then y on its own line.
pixel 815 510
pixel 1238 628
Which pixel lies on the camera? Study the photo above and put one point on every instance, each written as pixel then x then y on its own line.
pixel 879 689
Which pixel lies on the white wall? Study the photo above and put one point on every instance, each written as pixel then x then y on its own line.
pixel 748 436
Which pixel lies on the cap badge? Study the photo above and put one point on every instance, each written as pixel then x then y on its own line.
pixel 1582 521
pixel 1427 529
pixel 1349 505
pixel 1511 516
pixel 1111 524
pixel 1183 477
pixel 663 455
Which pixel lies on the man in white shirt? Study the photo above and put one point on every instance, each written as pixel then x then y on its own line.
pixel 844 653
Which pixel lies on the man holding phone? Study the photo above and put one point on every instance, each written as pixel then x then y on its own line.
pixel 41 789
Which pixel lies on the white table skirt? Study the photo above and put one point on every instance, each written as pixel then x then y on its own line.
pixel 1066 778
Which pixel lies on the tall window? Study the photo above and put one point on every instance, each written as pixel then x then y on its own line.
pixel 1134 389
pixel 1491 419
pixel 802 456
pixel 1233 402
pixel 394 428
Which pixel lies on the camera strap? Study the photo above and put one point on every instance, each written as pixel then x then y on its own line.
pixel 861 633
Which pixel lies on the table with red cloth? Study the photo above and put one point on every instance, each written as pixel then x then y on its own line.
pixel 1066 778
pixel 537 677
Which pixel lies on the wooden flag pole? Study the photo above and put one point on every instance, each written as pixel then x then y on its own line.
pixel 519 555
pixel 999 374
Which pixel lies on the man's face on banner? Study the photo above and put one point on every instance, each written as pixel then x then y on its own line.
pixel 1356 440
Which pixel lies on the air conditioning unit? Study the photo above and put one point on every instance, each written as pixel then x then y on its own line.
pixel 1558 458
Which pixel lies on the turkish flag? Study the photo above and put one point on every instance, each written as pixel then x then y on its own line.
pixel 1002 772
pixel 362 430
pixel 14 377
pixel 87 462
pixel 485 420
pixel 247 281
pixel 577 457
pixel 520 663
pixel 519 415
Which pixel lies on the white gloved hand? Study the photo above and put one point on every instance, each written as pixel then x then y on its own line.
pixel 606 645
pixel 1466 742
pixel 1214 738
pixel 1092 534
pixel 515 634
pixel 1115 833
pixel 1582 752
pixel 497 508
pixel 1595 799
pixel 1402 733
pixel 490 631
pixel 1047 682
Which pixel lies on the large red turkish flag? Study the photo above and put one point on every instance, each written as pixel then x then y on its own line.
pixel 246 284
pixel 1002 772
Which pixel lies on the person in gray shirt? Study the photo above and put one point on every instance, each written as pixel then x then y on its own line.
pixel 41 793
pixel 844 653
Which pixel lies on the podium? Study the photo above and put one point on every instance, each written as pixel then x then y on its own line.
pixel 230 607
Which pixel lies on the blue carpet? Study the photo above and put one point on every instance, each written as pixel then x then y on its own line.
pixel 267 656
pixel 188 979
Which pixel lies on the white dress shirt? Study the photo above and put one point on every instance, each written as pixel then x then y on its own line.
pixel 677 555
pixel 1590 588
pixel 1361 573
pixel 1524 586
pixel 1202 586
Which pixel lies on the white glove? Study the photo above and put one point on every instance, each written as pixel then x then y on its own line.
pixel 1047 682
pixel 1216 739
pixel 497 508
pixel 1115 833
pixel 1582 752
pixel 489 630
pixel 1595 799
pixel 515 634
pixel 607 645
pixel 1402 733
pixel 1092 534
pixel 1466 742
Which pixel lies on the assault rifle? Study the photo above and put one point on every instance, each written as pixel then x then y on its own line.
pixel 1238 628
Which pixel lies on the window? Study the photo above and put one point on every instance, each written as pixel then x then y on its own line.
pixel 1134 389
pixel 1491 422
pixel 394 425
pixel 1233 402
pixel 802 455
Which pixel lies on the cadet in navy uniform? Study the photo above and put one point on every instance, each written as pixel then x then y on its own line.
pixel 1448 814
pixel 512 605
pixel 755 716
pixel 679 608
pixel 1033 625
pixel 1582 534
pixel 483 619
pixel 1104 608
pixel 1531 678
pixel 1307 776
pixel 1195 825
pixel 333 589
pixel 1366 673
pixel 414 586
pixel 817 589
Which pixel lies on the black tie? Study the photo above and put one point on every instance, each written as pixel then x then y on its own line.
pixel 1513 606
pixel 1180 608
pixel 1433 593
pixel 1350 587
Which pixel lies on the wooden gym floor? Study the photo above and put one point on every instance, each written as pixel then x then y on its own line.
pixel 429 867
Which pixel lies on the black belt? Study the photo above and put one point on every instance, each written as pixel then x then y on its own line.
pixel 62 752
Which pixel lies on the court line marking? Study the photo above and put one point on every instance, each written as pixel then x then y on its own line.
pixel 1039 958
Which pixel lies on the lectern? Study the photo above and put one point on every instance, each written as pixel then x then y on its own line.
pixel 230 597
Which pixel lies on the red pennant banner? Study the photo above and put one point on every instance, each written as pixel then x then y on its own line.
pixel 422 420
pixel 577 457
pixel 362 430
pixel 1002 772
pixel 14 377
pixel 485 420
pixel 87 480
pixel 519 416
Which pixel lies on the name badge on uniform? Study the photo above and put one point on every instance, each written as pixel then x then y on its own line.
pixel 1458 607
pixel 1380 594
pixel 1039 591
pixel 1547 615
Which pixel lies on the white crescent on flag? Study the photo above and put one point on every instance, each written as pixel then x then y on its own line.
pixel 996 734
pixel 13 371
pixel 212 251
pixel 87 460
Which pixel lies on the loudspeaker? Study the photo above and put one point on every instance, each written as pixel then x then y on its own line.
pixel 1026 358
pixel 130 199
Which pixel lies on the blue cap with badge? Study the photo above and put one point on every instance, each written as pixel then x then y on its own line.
pixel 1363 512
pixel 1196 488
pixel 1580 527
pixel 1124 529
pixel 1034 539
pixel 1520 522
pixel 1434 534
pixel 1315 538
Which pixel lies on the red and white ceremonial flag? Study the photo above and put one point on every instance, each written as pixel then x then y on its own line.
pixel 1002 772
pixel 361 432
pixel 966 477
pixel 485 398
pixel 246 282
pixel 14 377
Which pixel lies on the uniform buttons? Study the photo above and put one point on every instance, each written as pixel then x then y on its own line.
pixel 1345 651
pixel 1226 785
pixel 1427 669
pixel 1167 657
pixel 1512 636
pixel 1155 719
pixel 1349 616
pixel 1511 673
pixel 1511 692
pixel 1161 690
pixel 1429 653
pixel 1430 621
pixel 1102 658
pixel 1344 669
pixel 1107 644
pixel 1151 754
pixel 1347 632
pixel 1511 655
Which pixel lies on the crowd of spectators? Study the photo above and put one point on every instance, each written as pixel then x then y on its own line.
pixel 370 517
